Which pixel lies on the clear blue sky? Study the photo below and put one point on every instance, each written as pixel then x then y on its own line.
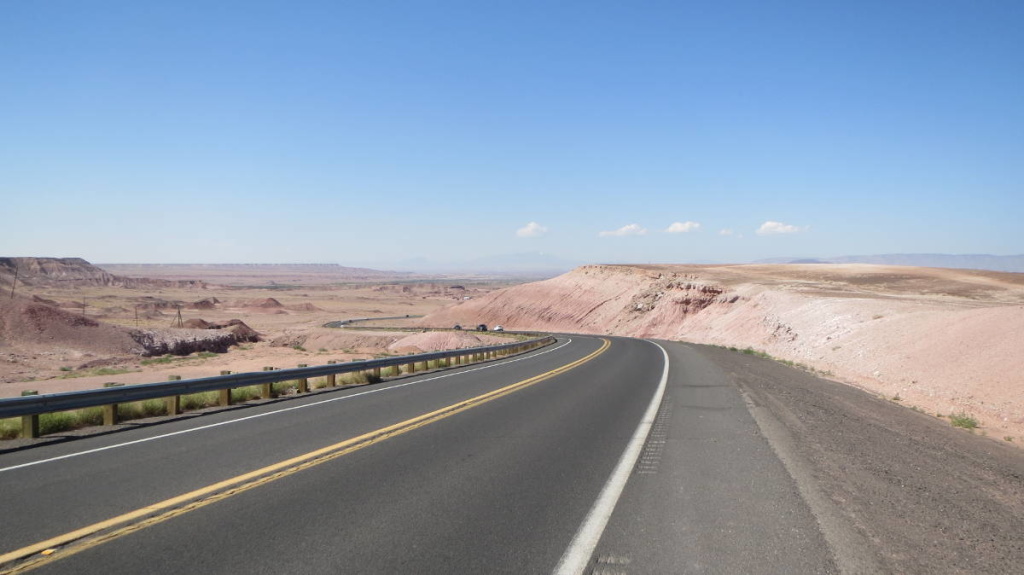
pixel 374 132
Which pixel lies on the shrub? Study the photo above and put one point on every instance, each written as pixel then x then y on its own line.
pixel 243 394
pixel 963 420
pixel 10 428
pixel 199 400
pixel 282 387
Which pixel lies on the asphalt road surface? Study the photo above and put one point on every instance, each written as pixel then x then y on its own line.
pixel 595 455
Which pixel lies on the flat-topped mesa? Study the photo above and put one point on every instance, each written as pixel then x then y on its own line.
pixel 75 272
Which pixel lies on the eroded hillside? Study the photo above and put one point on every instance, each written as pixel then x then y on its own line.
pixel 945 340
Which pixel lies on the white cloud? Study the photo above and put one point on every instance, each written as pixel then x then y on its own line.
pixel 630 230
pixel 531 230
pixel 683 227
pixel 725 232
pixel 774 228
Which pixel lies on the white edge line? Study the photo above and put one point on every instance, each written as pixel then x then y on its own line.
pixel 576 557
pixel 278 411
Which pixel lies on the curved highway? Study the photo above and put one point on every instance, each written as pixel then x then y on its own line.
pixel 594 455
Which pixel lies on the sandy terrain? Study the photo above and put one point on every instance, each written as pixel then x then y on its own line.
pixel 51 342
pixel 945 341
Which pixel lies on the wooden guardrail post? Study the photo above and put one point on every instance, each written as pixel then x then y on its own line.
pixel 174 401
pixel 411 368
pixel 303 382
pixel 332 378
pixel 110 416
pixel 225 394
pixel 267 389
pixel 29 423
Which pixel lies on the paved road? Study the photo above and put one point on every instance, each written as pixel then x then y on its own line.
pixel 743 466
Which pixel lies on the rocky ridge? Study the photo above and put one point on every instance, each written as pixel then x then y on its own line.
pixel 945 340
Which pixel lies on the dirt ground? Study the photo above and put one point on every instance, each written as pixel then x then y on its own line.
pixel 65 342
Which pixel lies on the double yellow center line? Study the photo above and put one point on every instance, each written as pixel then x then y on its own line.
pixel 99 533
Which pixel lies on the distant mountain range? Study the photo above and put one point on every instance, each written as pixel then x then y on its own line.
pixel 964 261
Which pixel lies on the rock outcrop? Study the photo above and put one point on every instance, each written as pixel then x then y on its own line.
pixel 948 340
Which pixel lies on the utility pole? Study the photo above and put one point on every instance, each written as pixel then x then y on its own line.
pixel 178 320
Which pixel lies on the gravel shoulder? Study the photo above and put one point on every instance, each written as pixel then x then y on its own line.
pixel 925 496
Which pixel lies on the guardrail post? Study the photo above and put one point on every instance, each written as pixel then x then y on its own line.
pixel 110 414
pixel 174 401
pixel 303 382
pixel 225 394
pixel 30 426
pixel 29 423
pixel 332 378
pixel 266 389
pixel 110 411
pixel 376 372
pixel 411 368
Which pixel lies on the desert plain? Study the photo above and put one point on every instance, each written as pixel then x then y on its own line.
pixel 67 327
pixel 941 341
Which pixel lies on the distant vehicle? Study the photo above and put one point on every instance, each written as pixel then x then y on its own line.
pixel 498 328
pixel 482 327
pixel 457 326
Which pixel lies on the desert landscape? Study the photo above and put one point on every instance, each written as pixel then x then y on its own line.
pixel 941 341
pixel 71 325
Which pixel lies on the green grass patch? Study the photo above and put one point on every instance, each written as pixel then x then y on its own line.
pixel 165 359
pixel 279 388
pixel 69 420
pixel 963 420
pixel 199 400
pixel 97 371
pixel 243 394
pixel 358 378
pixel 141 409
pixel 10 428
pixel 756 353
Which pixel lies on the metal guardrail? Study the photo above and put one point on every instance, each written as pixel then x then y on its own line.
pixel 346 322
pixel 29 408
